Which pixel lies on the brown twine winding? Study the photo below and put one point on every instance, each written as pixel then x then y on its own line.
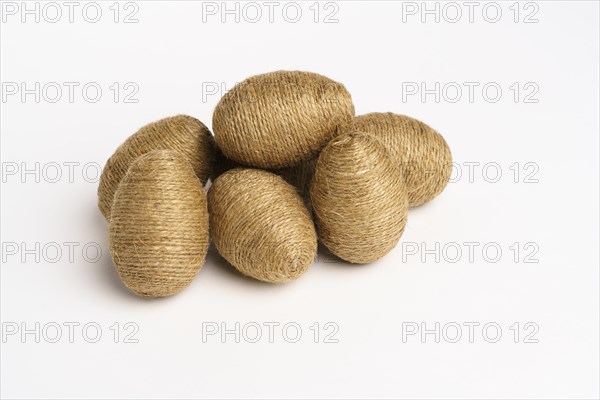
pixel 260 225
pixel 278 119
pixel 359 198
pixel 299 175
pixel 422 154
pixel 158 230
pixel 184 134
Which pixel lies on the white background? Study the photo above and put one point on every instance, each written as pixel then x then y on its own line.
pixel 176 55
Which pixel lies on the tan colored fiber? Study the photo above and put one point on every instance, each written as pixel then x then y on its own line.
pixel 158 230
pixel 359 199
pixel 421 152
pixel 184 134
pixel 260 225
pixel 278 119
pixel 298 175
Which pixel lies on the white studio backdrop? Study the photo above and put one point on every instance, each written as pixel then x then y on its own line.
pixel 491 293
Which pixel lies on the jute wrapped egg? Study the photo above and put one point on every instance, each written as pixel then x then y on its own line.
pixel 260 225
pixel 359 198
pixel 184 134
pixel 278 119
pixel 422 154
pixel 158 229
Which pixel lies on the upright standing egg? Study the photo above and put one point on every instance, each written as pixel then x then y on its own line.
pixel 278 119
pixel 158 229
pixel 422 153
pixel 359 199
pixel 260 225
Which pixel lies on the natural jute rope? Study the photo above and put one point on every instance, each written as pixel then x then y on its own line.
pixel 299 175
pixel 359 199
pixel 260 225
pixel 183 134
pixel 158 230
pixel 421 152
pixel 278 119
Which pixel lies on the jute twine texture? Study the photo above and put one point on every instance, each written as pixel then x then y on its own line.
pixel 359 199
pixel 260 225
pixel 299 175
pixel 278 119
pixel 184 134
pixel 158 230
pixel 422 154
